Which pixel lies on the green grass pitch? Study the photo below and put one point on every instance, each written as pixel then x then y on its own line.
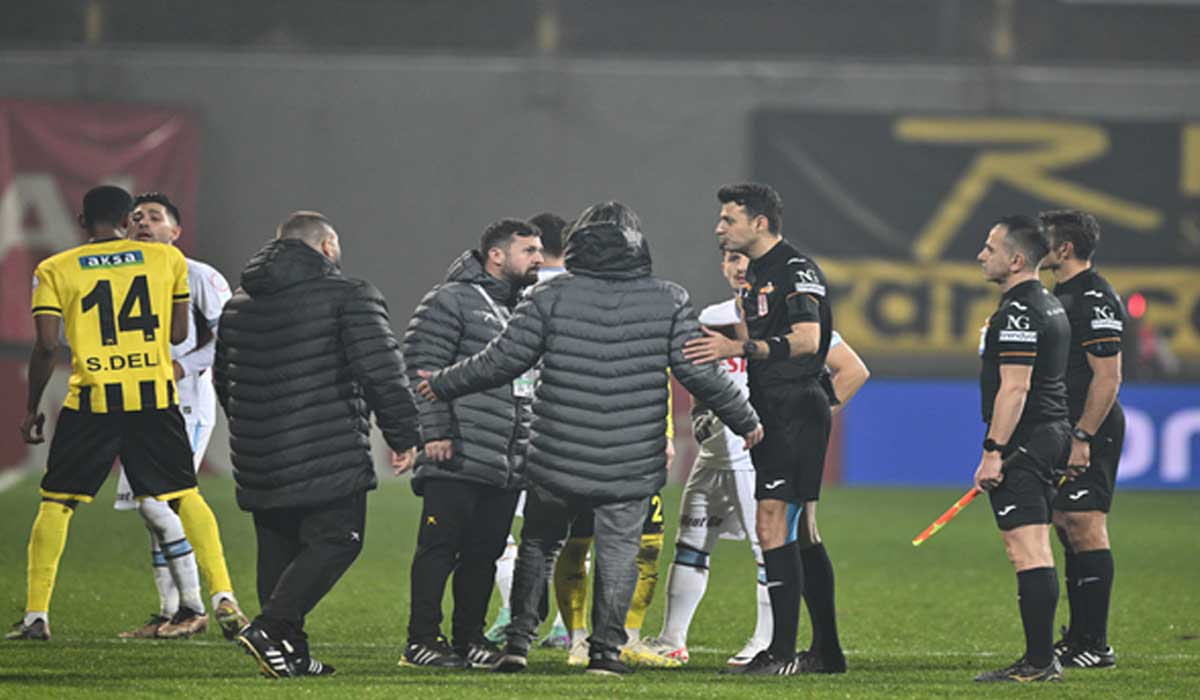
pixel 916 623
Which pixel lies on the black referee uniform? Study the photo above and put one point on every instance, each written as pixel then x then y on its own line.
pixel 1029 328
pixel 786 287
pixel 1097 322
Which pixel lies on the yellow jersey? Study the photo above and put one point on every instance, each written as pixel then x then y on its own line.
pixel 116 299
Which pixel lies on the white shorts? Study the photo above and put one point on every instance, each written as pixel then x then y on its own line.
pixel 717 504
pixel 198 435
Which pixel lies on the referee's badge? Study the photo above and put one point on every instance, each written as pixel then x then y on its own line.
pixel 762 298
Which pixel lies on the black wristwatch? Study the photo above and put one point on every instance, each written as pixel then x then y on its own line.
pixel 748 348
pixel 990 445
pixel 1081 435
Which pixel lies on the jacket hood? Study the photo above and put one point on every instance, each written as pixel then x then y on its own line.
pixel 283 263
pixel 468 269
pixel 607 250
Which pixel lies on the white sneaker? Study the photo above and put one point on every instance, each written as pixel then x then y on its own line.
pixel 578 656
pixel 748 652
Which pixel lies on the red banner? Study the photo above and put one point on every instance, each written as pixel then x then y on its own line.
pixel 51 153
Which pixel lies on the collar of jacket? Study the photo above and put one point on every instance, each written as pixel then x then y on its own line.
pixel 283 263
pixel 608 250
pixel 468 268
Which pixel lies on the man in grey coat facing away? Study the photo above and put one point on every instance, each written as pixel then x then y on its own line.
pixel 605 333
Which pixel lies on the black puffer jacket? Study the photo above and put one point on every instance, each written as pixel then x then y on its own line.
pixel 489 430
pixel 606 332
pixel 304 355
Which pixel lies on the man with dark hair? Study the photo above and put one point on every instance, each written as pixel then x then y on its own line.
pixel 789 326
pixel 155 219
pixel 120 304
pixel 1024 349
pixel 605 332
pixel 552 227
pixel 305 355
pixel 1081 508
pixel 472 469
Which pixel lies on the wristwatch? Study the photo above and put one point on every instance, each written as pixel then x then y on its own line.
pixel 990 445
pixel 748 348
pixel 1081 435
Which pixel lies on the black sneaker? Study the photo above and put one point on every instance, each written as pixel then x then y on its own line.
pixel 1023 672
pixel 607 667
pixel 480 654
pixel 314 668
pixel 271 658
pixel 511 662
pixel 1091 657
pixel 435 653
pixel 810 661
pixel 764 664
pixel 1064 643
pixel 39 630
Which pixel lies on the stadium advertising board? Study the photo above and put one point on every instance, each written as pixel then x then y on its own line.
pixel 897 207
pixel 938 428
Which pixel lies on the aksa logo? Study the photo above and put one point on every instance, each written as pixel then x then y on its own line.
pixel 94 262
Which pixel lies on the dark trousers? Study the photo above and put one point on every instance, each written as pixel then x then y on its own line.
pixel 302 552
pixel 464 528
pixel 618 528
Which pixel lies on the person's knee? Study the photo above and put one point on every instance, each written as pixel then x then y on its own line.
pixel 1083 531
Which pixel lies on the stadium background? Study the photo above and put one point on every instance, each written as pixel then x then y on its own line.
pixel 894 130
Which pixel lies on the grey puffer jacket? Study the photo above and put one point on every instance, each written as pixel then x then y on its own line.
pixel 606 332
pixel 489 430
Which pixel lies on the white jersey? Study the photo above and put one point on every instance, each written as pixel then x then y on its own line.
pixel 726 450
pixel 210 291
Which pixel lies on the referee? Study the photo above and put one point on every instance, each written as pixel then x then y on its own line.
pixel 1093 380
pixel 789 325
pixel 1024 400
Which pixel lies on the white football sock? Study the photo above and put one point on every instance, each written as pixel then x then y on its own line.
pixel 32 617
pixel 685 589
pixel 764 629
pixel 504 572
pixel 168 594
pixel 181 561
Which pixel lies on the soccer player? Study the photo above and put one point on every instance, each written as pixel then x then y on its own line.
pixel 718 499
pixel 1093 380
pixel 1024 402
pixel 155 219
pixel 123 303
pixel 787 314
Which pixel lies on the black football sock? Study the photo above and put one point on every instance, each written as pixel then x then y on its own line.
pixel 1094 587
pixel 785 585
pixel 1074 597
pixel 1037 594
pixel 819 599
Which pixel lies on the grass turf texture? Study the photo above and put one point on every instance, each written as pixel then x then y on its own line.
pixel 916 623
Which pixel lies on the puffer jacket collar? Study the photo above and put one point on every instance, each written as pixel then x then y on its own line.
pixel 283 263
pixel 607 250
pixel 468 268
